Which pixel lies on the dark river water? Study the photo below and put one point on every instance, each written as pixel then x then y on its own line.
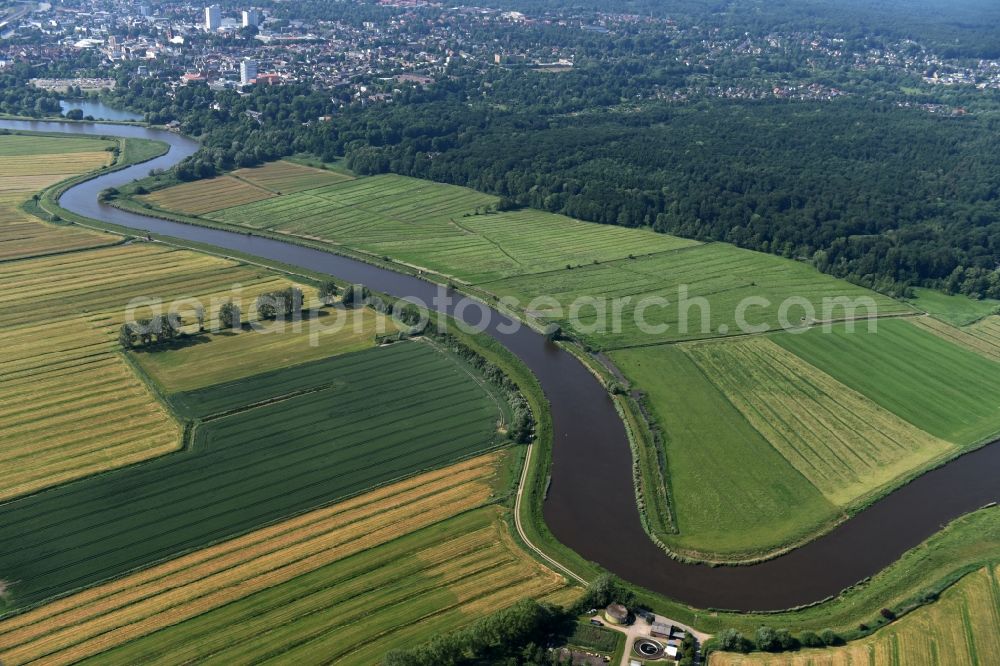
pixel 591 504
pixel 97 109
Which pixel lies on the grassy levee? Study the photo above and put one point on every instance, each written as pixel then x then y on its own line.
pixel 131 151
pixel 252 468
pixel 964 545
pixel 961 629
pixel 537 473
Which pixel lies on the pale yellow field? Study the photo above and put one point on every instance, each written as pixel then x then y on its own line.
pixel 226 356
pixel 287 177
pixel 69 404
pixel 23 235
pixel 63 165
pixel 206 196
pixel 26 168
pixel 961 629
pixel 89 622
pixel 843 443
pixel 982 337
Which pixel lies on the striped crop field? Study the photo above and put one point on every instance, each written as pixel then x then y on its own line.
pixel 942 388
pixel 23 235
pixel 21 145
pixel 287 177
pixel 356 609
pixel 406 530
pixel 28 164
pixel 227 356
pixel 842 442
pixel 525 242
pixel 962 628
pixel 714 279
pixel 732 492
pixel 57 158
pixel 205 196
pixel 982 337
pixel 337 428
pixel 434 226
pixel 69 405
pixel 364 211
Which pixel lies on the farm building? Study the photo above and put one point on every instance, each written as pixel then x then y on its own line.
pixel 616 614
pixel 660 630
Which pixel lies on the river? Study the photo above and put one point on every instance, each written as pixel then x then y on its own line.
pixel 591 504
pixel 97 109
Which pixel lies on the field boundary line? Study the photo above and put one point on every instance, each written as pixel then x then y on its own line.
pixel 520 528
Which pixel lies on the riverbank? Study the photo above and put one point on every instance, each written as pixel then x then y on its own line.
pixel 562 378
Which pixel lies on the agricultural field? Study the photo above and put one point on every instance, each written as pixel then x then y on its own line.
pixel 714 280
pixel 962 628
pixel 206 196
pixel 68 403
pixel 954 309
pixel 843 443
pixel 943 389
pixel 982 337
pixel 524 242
pixel 28 164
pixel 435 226
pixel 23 235
pixel 732 492
pixel 321 433
pixel 415 536
pixel 224 356
pixel 287 177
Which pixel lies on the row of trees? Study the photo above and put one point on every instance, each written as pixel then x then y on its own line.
pixel 156 331
pixel 767 639
pixel 283 304
pixel 516 636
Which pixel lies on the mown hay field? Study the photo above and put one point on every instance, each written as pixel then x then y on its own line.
pixel 69 404
pixel 343 545
pixel 732 492
pixel 714 279
pixel 843 443
pixel 355 422
pixel 21 145
pixel 29 164
pixel 955 309
pixel 525 242
pixel 23 235
pixel 362 211
pixel 355 610
pixel 224 356
pixel 982 337
pixel 948 391
pixel 434 226
pixel 287 177
pixel 205 196
pixel 960 629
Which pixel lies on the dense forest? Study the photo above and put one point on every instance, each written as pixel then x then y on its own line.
pixel 885 196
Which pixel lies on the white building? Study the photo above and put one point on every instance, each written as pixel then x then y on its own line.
pixel 213 18
pixel 251 17
pixel 248 71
